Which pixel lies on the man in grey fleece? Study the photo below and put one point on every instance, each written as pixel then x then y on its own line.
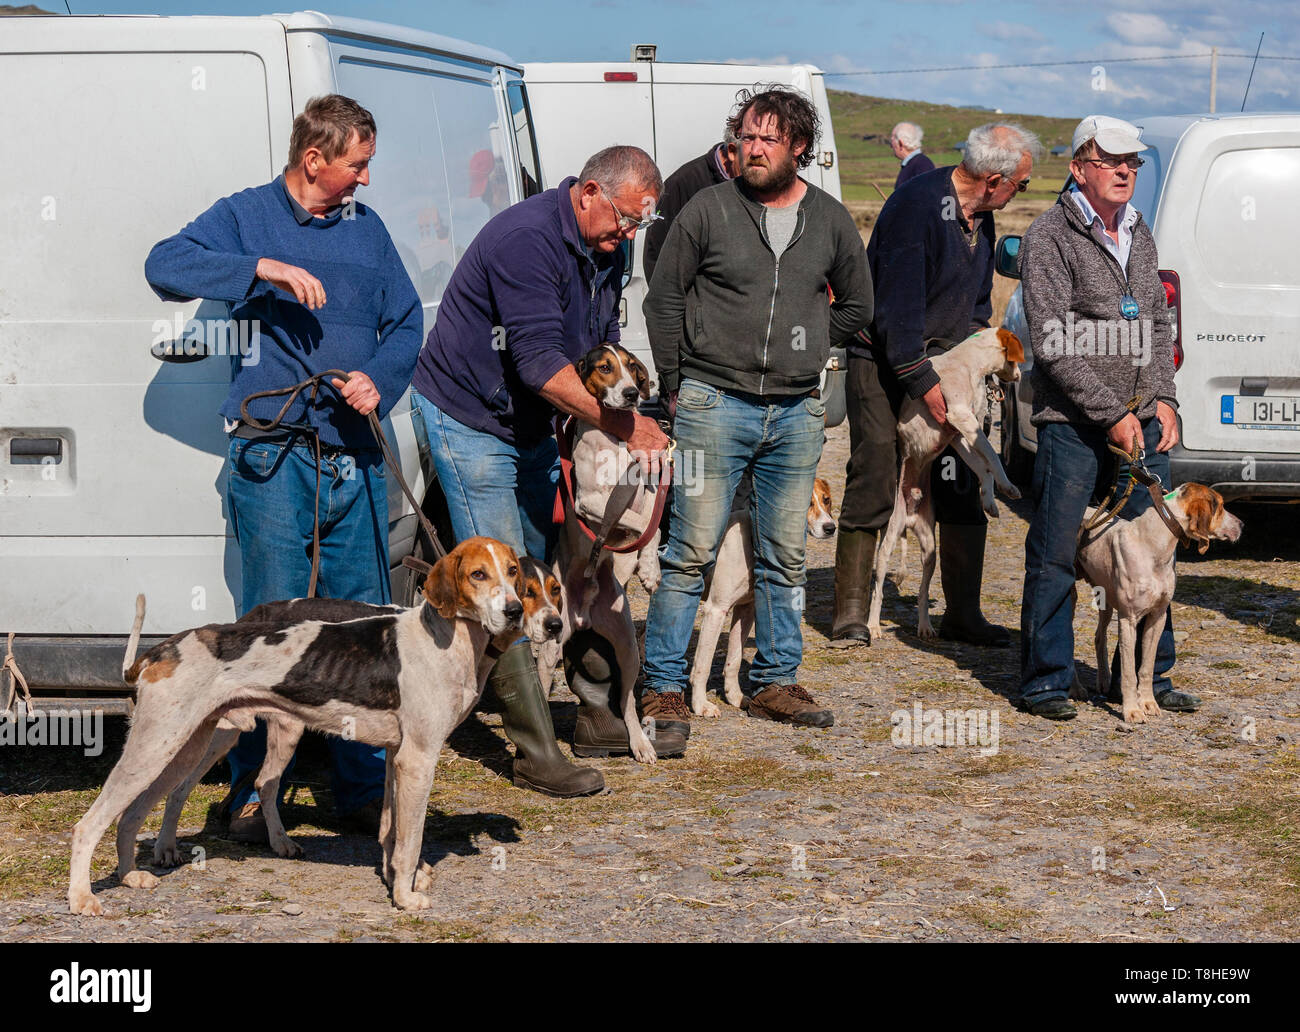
pixel 741 326
pixel 1103 372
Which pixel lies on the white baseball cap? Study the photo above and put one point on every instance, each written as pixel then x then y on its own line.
pixel 1113 135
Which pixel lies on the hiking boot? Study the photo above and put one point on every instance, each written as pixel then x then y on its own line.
pixel 593 675
pixel 249 825
pixel 539 764
pixel 788 704
pixel 669 710
pixel 855 554
pixel 1054 708
pixel 961 569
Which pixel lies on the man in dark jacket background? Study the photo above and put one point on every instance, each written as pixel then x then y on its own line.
pixel 741 326
pixel 931 255
pixel 537 288
pixel 720 164
pixel 905 142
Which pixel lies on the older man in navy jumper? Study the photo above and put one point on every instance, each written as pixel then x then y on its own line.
pixel 538 288
pixel 931 257
pixel 318 275
pixel 905 142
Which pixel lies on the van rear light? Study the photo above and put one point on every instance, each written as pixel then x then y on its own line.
pixel 620 76
pixel 1174 299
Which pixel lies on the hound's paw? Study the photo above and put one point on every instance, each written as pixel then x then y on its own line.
pixel 167 854
pixel 286 847
pixel 735 697
pixel 702 707
pixel 924 629
pixel 1134 715
pixel 423 877
pixel 1011 491
pixel 412 901
pixel 85 904
pixel 139 880
pixel 1150 708
pixel 991 509
pixel 644 752
pixel 875 633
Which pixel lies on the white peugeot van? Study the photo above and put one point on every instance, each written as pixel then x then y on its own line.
pixel 1219 194
pixel 674 112
pixel 111 448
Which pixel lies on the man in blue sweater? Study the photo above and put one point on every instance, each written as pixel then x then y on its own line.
pixel 537 288
pixel 318 276
pixel 931 256
pixel 905 142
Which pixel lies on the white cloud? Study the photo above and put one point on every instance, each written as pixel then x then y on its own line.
pixel 1011 32
pixel 1141 29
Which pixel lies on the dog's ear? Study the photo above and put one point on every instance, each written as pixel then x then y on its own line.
pixel 640 374
pixel 442 586
pixel 1198 505
pixel 587 363
pixel 1015 351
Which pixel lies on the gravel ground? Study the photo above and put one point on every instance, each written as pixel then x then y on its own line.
pixel 1183 829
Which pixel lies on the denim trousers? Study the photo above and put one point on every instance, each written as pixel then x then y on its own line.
pixel 721 435
pixel 270 496
pixel 1074 469
pixel 493 489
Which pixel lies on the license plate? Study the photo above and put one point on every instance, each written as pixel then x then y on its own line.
pixel 1260 413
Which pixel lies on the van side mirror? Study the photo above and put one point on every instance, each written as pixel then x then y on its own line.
pixel 1006 257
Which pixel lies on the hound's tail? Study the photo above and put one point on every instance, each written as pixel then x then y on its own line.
pixel 133 642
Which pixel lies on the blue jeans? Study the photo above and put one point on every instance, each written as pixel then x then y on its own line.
pixel 270 495
pixel 720 435
pixel 492 488
pixel 1073 466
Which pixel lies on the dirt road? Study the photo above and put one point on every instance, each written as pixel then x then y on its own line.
pixel 1184 829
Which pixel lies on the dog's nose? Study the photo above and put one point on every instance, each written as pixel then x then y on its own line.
pixel 828 528
pixel 553 625
pixel 514 610
pixel 630 394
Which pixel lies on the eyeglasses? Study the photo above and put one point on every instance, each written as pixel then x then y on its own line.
pixel 1021 186
pixel 626 223
pixel 1110 164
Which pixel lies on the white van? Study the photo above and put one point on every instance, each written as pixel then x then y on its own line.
pixel 111 448
pixel 1218 193
pixel 674 112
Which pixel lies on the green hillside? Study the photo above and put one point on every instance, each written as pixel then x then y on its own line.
pixel 864 161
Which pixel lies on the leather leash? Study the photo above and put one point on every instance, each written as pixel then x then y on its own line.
pixel 390 460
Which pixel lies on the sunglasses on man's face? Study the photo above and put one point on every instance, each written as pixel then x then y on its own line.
pixel 1021 185
pixel 1110 164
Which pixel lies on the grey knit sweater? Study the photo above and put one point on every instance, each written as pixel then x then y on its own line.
pixel 1089 360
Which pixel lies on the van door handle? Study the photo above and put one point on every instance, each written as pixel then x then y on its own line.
pixel 33 451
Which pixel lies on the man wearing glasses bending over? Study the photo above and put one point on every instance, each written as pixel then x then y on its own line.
pixel 537 288
pixel 1103 373
pixel 931 255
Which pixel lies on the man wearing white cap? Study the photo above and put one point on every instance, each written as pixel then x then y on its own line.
pixel 1103 373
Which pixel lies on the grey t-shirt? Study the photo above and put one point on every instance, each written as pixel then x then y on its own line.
pixel 780 226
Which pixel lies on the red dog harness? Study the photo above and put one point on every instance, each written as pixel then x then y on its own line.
pixel 564 499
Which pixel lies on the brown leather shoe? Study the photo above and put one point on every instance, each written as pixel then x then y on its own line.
pixel 249 825
pixel 669 710
pixel 788 704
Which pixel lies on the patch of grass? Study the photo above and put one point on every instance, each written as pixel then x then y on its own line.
pixel 429 930
pixel 810 751
pixel 1226 664
pixel 999 763
pixel 996 917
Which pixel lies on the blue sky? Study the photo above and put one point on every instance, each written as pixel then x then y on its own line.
pixel 855 35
